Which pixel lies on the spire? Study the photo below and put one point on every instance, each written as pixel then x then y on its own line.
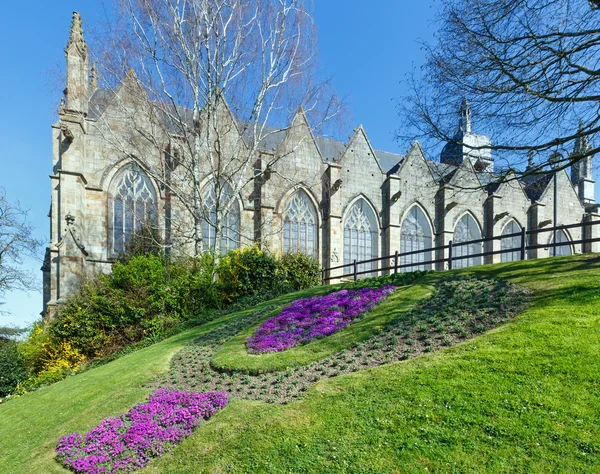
pixel 76 35
pixel 465 117
pixel 530 160
pixel 78 73
pixel 582 142
pixel 94 76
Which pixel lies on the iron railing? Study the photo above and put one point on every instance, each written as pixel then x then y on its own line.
pixel 393 264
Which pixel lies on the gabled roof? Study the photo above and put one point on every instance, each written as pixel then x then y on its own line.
pixel 331 149
pixel 535 188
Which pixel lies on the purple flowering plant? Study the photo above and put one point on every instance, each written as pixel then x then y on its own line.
pixel 127 442
pixel 308 319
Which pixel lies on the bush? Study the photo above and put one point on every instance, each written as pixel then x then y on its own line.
pixel 247 272
pixel 143 298
pixel 46 358
pixel 300 271
pixel 12 369
pixel 147 298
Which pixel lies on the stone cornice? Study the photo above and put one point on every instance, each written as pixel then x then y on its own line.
pixel 72 173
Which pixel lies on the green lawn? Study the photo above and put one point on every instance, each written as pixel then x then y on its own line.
pixel 522 398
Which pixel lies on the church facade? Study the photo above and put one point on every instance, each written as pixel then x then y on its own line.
pixel 339 202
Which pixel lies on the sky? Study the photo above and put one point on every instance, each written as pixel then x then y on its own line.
pixel 367 53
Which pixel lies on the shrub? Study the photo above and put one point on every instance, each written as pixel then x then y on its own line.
pixel 12 368
pixel 46 358
pixel 247 272
pixel 143 298
pixel 300 271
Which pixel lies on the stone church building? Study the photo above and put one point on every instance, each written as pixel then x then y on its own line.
pixel 346 201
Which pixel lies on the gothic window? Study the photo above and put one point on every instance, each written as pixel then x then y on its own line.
pixel 300 225
pixel 134 206
pixel 561 250
pixel 230 223
pixel 360 236
pixel 415 235
pixel 465 231
pixel 511 242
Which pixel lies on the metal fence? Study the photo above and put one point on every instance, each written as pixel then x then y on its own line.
pixel 391 263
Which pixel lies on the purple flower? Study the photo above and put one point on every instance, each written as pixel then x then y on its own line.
pixel 307 319
pixel 128 442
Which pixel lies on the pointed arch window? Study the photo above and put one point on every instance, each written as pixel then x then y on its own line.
pixel 300 225
pixel 361 233
pixel 465 231
pixel 511 242
pixel 415 235
pixel 134 207
pixel 561 250
pixel 229 223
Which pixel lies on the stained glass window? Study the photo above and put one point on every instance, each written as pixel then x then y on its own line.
pixel 465 231
pixel 415 235
pixel 230 222
pixel 511 242
pixel 300 225
pixel 360 237
pixel 134 206
pixel 561 250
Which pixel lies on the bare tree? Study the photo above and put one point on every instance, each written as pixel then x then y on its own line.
pixel 16 243
pixel 212 77
pixel 530 70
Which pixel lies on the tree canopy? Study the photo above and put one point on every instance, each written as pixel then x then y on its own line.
pixel 16 243
pixel 530 70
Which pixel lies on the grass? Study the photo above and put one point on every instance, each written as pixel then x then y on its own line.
pixel 521 398
pixel 233 355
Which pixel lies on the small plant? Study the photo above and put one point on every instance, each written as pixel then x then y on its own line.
pixel 317 317
pixel 166 419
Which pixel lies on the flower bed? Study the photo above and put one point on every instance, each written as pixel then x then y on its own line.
pixel 128 442
pixel 311 318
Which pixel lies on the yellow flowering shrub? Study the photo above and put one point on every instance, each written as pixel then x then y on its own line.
pixel 46 359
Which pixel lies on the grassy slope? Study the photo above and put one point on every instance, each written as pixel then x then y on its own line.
pixel 523 398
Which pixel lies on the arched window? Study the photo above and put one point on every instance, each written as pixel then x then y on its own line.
pixel 361 234
pixel 561 250
pixel 465 231
pixel 511 242
pixel 230 220
pixel 300 225
pixel 133 205
pixel 415 235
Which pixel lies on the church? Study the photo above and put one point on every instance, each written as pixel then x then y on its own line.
pixel 336 201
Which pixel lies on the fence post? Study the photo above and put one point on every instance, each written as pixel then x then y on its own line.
pixel 396 262
pixel 450 255
pixel 323 277
pixel 523 242
pixel 355 271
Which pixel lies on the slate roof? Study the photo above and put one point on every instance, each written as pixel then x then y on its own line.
pixel 331 150
pixel 536 188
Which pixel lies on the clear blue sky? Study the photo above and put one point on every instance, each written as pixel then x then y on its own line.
pixel 366 50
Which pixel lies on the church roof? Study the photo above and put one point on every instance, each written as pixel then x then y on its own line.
pixel 331 149
pixel 537 185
